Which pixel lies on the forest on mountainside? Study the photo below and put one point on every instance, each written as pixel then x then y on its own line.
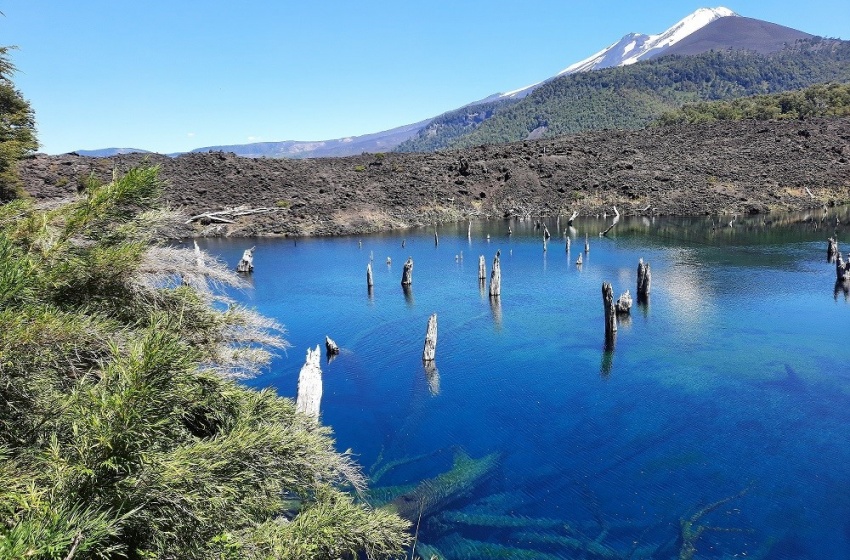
pixel 632 97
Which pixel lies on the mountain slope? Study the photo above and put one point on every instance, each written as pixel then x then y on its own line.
pixel 628 97
pixel 738 33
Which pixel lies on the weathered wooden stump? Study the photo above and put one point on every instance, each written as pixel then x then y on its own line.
pixel 496 277
pixel 573 216
pixel 578 260
pixel 429 351
pixel 610 310
pixel 586 244
pixel 831 249
pixel 842 269
pixel 369 282
pixel 407 273
pixel 247 263
pixel 331 347
pixel 310 385
pixel 644 281
pixel 624 303
pixel 482 268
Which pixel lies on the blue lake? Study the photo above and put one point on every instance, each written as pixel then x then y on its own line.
pixel 721 419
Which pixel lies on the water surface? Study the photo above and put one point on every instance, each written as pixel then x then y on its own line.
pixel 724 404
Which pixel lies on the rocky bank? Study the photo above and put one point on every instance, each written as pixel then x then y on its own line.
pixel 716 168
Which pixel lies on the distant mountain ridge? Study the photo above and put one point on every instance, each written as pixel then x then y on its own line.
pixel 704 30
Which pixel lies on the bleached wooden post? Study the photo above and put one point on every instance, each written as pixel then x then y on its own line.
pixel 469 232
pixel 436 238
pixel 310 385
pixel 586 244
pixel 482 268
pixel 644 280
pixel 578 260
pixel 369 282
pixel 496 277
pixel 831 249
pixel 430 349
pixel 247 262
pixel 407 273
pixel 610 310
pixel 331 347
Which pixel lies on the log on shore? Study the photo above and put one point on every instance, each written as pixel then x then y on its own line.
pixel 310 385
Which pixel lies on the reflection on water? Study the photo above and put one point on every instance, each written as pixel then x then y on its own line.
pixel 727 406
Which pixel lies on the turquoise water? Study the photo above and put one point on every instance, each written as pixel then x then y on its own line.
pixel 724 404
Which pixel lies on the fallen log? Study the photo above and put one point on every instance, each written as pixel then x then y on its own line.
pixel 310 385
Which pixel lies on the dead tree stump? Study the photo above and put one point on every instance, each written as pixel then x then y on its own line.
pixel 831 249
pixel 310 385
pixel 247 263
pixel 407 273
pixel 610 311
pixel 624 303
pixel 331 347
pixel 369 282
pixel 644 280
pixel 430 349
pixel 496 277
pixel 482 268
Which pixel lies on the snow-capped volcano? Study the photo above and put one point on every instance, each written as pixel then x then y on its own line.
pixel 638 46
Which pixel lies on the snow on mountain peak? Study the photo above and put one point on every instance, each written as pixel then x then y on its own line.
pixel 637 46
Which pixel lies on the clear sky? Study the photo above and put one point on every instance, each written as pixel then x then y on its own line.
pixel 182 74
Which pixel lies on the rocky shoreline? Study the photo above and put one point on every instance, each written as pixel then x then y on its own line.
pixel 746 167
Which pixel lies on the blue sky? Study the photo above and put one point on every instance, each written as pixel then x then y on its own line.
pixel 172 76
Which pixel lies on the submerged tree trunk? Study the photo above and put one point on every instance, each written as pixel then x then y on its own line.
pixel 369 282
pixel 482 268
pixel 407 273
pixel 644 280
pixel 842 269
pixel 831 249
pixel 610 310
pixel 496 277
pixel 310 385
pixel 430 349
pixel 247 262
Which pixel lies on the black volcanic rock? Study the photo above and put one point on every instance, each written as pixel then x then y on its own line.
pixel 737 33
pixel 727 166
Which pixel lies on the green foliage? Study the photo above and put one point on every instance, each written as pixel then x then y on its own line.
pixel 122 430
pixel 821 100
pixel 17 128
pixel 634 96
pixel 360 168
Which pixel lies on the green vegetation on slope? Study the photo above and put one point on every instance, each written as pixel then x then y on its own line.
pixel 631 97
pixel 821 100
pixel 122 431
pixel 17 128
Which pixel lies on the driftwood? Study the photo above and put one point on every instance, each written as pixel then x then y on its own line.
pixel 310 385
pixel 247 262
pixel 624 303
pixel 482 268
pixel 610 311
pixel 644 281
pixel 496 277
pixel 407 273
pixel 614 223
pixel 831 249
pixel 430 349
pixel 228 216
pixel 331 347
